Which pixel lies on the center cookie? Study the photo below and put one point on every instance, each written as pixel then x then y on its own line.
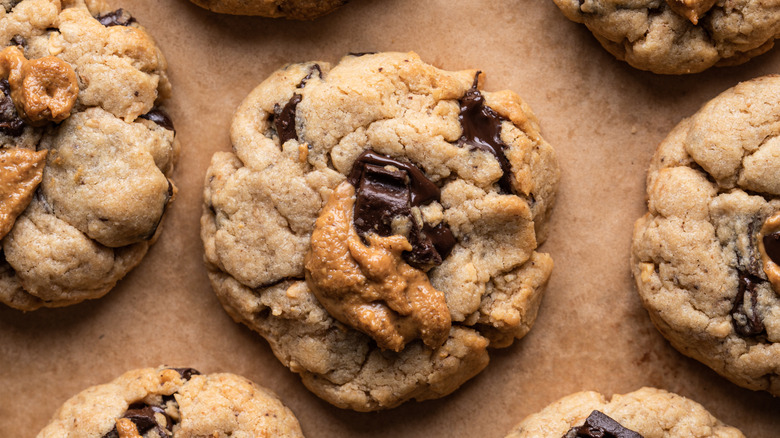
pixel 705 257
pixel 377 224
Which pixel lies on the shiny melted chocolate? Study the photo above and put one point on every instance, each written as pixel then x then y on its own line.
pixel 10 122
pixel 120 17
pixel 284 117
pixel 600 425
pixel 482 130
pixel 159 117
pixel 744 314
pixel 387 189
pixel 772 246
pixel 143 416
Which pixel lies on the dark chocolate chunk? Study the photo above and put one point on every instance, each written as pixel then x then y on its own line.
pixel 159 117
pixel 120 17
pixel 143 416
pixel 744 314
pixel 186 373
pixel 360 53
pixel 284 119
pixel 315 68
pixel 383 194
pixel 600 425
pixel 10 122
pixel 482 130
pixel 772 246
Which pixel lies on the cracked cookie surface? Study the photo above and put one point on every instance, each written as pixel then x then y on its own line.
pixel 713 188
pixel 292 9
pixel 679 36
pixel 109 148
pixel 648 412
pixel 436 178
pixel 173 402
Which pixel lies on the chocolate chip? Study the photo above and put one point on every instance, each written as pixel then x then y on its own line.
pixel 314 68
pixel 284 119
pixel 360 53
pixel 384 194
pixel 120 17
pixel 772 246
pixel 482 130
pixel 744 314
pixel 10 122
pixel 600 425
pixel 159 117
pixel 186 373
pixel 143 416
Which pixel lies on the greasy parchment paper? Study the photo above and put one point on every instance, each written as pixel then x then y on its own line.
pixel 604 119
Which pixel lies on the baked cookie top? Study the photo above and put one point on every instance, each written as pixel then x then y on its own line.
pixel 679 36
pixel 378 222
pixel 645 413
pixel 170 402
pixel 85 148
pixel 705 257
pixel 292 9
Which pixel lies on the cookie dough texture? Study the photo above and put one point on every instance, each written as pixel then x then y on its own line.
pixel 105 182
pixel 651 35
pixel 653 413
pixel 292 9
pixel 262 201
pixel 712 183
pixel 213 405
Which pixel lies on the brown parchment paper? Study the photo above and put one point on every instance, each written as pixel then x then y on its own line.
pixel 603 117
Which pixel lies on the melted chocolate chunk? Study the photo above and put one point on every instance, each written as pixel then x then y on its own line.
pixel 284 119
pixel 772 246
pixel 186 373
pixel 10 122
pixel 120 17
pixel 600 425
pixel 315 68
pixel 159 117
pixel 482 130
pixel 143 416
pixel 744 314
pixel 384 194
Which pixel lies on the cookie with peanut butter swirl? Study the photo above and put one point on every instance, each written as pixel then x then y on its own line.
pixel 378 224
pixel 706 255
pixel 86 150
pixel 679 36
pixel 169 402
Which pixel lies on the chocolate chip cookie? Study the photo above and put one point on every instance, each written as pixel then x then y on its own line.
pixel 647 412
pixel 292 9
pixel 378 222
pixel 86 152
pixel 705 257
pixel 169 402
pixel 679 36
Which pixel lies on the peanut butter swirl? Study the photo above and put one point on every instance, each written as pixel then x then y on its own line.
pixel 371 287
pixel 21 170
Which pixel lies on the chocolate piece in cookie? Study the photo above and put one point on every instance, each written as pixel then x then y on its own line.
pixel 678 36
pixel 647 412
pixel 104 184
pixel 600 425
pixel 699 255
pixel 291 9
pixel 365 225
pixel 164 402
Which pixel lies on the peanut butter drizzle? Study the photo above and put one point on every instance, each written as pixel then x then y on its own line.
pixel 772 270
pixel 21 170
pixel 693 10
pixel 371 288
pixel 43 89
pixel 126 428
